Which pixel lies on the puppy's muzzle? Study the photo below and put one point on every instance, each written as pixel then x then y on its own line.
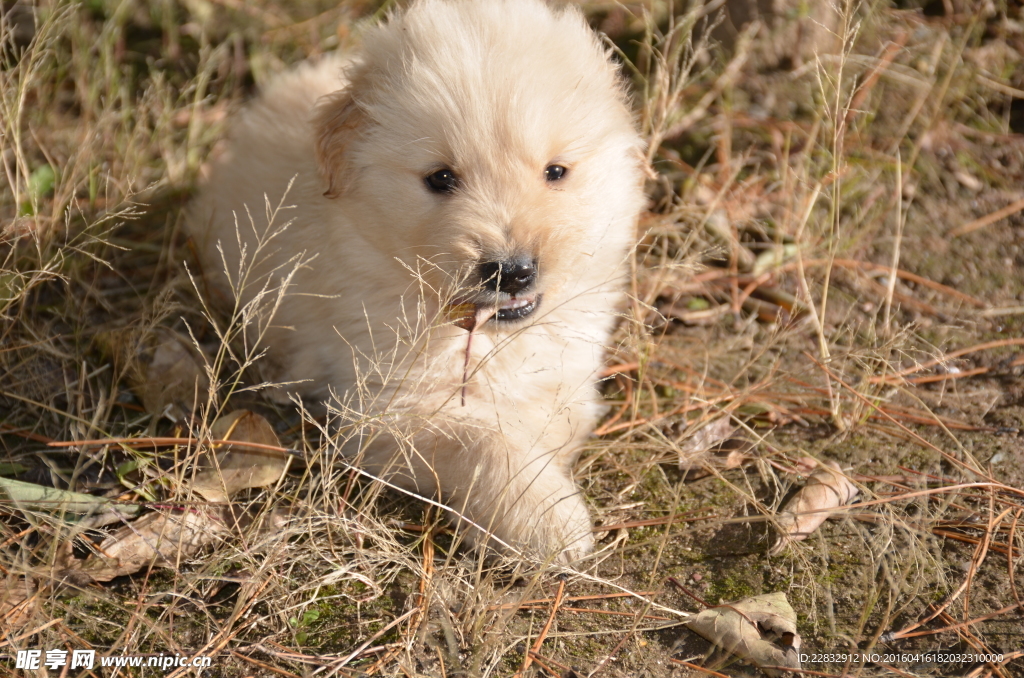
pixel 512 276
pixel 515 278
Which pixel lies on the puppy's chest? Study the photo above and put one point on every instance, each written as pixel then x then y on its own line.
pixel 532 369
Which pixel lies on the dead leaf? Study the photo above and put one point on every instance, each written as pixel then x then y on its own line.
pixel 760 629
pixel 461 315
pixel 704 438
pixel 173 379
pixel 18 602
pixel 827 488
pixel 237 467
pixel 163 539
pixel 709 449
pixel 166 371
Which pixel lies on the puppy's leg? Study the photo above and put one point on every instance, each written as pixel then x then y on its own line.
pixel 526 499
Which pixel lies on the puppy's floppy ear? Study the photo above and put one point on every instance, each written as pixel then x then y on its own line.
pixel 337 119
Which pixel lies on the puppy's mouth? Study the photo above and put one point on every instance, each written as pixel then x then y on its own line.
pixel 470 314
pixel 517 308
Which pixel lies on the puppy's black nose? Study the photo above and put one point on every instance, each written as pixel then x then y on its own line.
pixel 511 276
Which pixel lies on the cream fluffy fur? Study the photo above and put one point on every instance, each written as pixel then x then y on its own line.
pixel 497 91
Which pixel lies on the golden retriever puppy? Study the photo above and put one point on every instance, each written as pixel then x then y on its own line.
pixel 464 192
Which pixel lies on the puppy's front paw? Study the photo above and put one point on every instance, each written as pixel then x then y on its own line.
pixel 546 518
pixel 567 529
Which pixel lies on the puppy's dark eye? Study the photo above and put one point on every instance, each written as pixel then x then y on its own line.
pixel 554 172
pixel 442 181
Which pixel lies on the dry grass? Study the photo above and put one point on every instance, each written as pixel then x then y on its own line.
pixel 825 265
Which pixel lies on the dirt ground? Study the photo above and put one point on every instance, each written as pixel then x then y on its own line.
pixel 832 269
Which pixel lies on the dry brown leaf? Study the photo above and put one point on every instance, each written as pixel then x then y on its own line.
pixel 709 463
pixel 18 602
pixel 698 454
pixel 172 376
pixel 760 629
pixel 827 488
pixel 708 436
pixel 237 467
pixel 163 539
pixel 468 315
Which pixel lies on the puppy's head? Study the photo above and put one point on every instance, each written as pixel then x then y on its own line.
pixel 492 139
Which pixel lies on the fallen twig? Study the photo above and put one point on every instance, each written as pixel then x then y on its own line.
pixel 528 659
pixel 987 220
pixel 999 343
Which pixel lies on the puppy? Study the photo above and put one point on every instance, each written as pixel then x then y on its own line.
pixel 460 201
